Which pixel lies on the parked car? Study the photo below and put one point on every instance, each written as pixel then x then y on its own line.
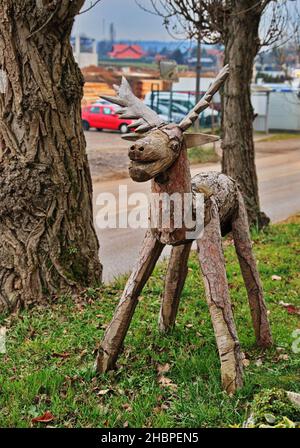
pixel 103 116
pixel 163 111
pixel 206 118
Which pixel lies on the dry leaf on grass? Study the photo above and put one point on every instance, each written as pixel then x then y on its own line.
pixel 291 309
pixel 45 418
pixel 103 392
pixel 283 357
pixel 163 368
pixel 246 362
pixel 276 277
pixel 127 407
pixel 167 382
pixel 60 355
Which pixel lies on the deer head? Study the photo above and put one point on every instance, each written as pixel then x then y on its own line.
pixel 156 144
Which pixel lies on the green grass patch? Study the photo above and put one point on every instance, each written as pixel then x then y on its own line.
pixel 205 154
pixel 50 351
pixel 279 136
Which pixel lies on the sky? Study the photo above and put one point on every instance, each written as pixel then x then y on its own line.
pixel 130 21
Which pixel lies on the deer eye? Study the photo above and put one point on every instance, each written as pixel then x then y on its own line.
pixel 174 146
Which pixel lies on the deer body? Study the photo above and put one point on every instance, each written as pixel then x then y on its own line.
pixel 159 153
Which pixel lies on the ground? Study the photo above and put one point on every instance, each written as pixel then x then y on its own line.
pixel 161 381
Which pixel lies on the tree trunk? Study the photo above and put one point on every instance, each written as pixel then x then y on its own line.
pixel 47 239
pixel 241 46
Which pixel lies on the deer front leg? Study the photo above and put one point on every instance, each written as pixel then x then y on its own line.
pixel 175 279
pixel 117 329
pixel 212 264
pixel 243 247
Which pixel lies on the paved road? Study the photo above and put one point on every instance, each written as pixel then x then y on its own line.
pixel 278 166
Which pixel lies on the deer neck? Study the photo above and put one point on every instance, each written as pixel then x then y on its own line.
pixel 176 179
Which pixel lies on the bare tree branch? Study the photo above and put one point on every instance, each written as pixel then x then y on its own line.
pixel 90 7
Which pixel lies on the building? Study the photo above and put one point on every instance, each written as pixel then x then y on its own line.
pixel 127 52
pixel 276 107
pixel 84 50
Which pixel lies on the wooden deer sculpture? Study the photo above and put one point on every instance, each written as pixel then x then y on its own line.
pixel 160 153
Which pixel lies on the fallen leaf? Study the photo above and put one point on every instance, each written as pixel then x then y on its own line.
pixel 291 309
pixel 163 368
pixel 258 363
pixel 165 406
pixel 270 418
pixel 126 424
pixel 127 407
pixel 45 418
pixel 167 382
pixel 276 277
pixel 103 392
pixel 60 355
pixel 246 362
pixel 283 357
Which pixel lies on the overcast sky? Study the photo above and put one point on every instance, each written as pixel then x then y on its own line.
pixel 130 21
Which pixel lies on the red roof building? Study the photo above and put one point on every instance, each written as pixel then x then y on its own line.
pixel 124 51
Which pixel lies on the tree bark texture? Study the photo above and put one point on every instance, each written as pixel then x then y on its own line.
pixel 241 41
pixel 47 239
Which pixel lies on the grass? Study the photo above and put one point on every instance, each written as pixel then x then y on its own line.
pixel 50 352
pixel 275 137
pixel 205 154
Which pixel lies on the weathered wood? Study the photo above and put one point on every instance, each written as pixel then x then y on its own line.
pixel 243 246
pixel 161 155
pixel 205 100
pixel 133 107
pixel 212 264
pixel 154 153
pixel 117 329
pixel 198 139
pixel 176 179
pixel 224 190
pixel 176 274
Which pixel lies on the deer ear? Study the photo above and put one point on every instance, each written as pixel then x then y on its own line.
pixel 192 140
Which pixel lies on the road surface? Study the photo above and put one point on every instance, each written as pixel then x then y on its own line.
pixel 278 167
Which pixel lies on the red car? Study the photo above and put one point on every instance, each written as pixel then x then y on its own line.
pixel 102 116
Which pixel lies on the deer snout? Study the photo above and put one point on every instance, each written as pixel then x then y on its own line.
pixel 141 152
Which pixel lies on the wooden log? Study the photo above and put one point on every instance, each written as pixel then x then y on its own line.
pixel 117 329
pixel 243 246
pixel 175 279
pixel 212 264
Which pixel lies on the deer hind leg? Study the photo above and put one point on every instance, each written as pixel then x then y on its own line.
pixel 117 329
pixel 212 262
pixel 174 283
pixel 242 242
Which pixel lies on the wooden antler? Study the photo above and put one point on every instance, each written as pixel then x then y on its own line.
pixel 133 107
pixel 205 101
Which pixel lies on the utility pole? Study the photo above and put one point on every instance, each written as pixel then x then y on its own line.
pixel 198 74
pixel 198 68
